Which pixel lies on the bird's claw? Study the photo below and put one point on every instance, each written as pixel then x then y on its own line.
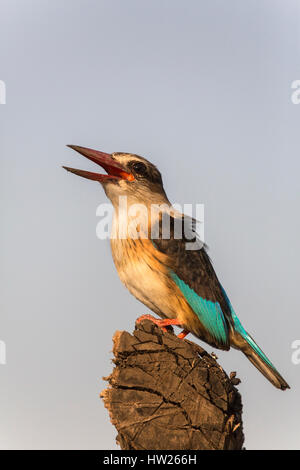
pixel 163 324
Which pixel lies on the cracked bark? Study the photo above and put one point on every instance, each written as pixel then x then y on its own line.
pixel 167 393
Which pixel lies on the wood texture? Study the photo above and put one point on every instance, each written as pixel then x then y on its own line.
pixel 167 393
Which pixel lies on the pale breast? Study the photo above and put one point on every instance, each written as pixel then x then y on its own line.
pixel 145 272
pixel 145 276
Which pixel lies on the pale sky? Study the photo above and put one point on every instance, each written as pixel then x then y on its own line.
pixel 202 89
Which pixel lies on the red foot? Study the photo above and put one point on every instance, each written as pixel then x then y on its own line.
pixel 183 334
pixel 160 323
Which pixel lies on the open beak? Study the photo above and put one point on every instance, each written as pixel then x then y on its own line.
pixel 114 169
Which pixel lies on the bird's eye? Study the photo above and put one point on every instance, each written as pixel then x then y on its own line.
pixel 139 168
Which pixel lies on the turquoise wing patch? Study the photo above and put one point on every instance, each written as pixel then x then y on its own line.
pixel 209 313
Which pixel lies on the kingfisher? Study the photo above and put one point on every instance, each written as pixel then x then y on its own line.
pixel 175 281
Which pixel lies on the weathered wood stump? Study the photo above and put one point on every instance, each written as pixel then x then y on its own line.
pixel 168 393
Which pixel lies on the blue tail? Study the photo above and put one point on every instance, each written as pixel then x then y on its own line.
pixel 248 346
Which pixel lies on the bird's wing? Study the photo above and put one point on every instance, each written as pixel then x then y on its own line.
pixel 193 273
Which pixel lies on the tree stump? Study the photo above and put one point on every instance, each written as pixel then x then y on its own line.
pixel 167 393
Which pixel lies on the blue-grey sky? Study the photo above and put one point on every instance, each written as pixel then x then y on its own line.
pixel 201 88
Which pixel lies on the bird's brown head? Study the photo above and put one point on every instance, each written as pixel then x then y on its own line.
pixel 127 175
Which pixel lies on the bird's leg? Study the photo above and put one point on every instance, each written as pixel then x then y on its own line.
pixel 161 323
pixel 183 334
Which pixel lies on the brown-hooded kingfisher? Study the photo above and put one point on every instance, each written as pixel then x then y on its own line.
pixel 178 284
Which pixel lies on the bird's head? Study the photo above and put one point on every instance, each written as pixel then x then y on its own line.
pixel 127 175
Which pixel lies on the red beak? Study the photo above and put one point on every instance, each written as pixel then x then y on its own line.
pixel 105 160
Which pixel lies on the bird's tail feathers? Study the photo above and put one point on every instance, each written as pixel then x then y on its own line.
pixel 258 358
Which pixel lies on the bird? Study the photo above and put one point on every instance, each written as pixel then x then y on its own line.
pixel 178 284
